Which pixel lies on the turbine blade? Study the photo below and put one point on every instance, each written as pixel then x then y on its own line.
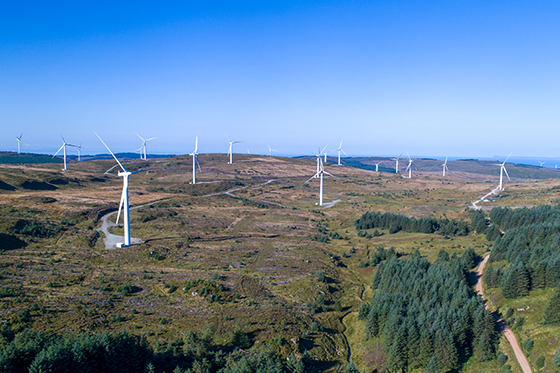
pixel 196 157
pixel 64 141
pixel 152 138
pixel 227 138
pixel 340 146
pixel 116 159
pixel 120 207
pixel 508 157
pixel 324 149
pixel 58 151
pixel 506 173
pixel 141 138
pixel 311 178
pixel 196 145
pixel 344 152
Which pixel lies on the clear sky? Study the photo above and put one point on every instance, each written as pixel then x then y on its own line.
pixel 434 78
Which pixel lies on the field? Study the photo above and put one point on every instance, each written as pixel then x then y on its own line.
pixel 245 247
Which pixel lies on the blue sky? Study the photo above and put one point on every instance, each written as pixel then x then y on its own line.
pixel 434 78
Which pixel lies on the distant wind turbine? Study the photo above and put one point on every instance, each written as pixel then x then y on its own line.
pixel 320 175
pixel 377 167
pixel 444 166
pixel 79 152
pixel 143 147
pixel 502 170
pixel 397 164
pixel 195 161
pixel 64 145
pixel 409 167
pixel 270 150
pixel 124 199
pixel 542 163
pixel 339 150
pixel 319 155
pixel 19 143
pixel 230 151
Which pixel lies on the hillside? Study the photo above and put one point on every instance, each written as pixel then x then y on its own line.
pixel 246 251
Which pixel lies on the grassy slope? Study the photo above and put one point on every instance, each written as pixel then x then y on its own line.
pixel 264 254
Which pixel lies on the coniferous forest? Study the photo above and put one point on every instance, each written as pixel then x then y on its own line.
pixel 530 248
pixel 427 315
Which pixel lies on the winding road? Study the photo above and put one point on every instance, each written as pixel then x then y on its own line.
pixel 525 367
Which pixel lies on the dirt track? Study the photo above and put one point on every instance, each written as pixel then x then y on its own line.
pixel 525 367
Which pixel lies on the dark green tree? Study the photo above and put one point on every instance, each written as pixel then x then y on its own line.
pixel 552 312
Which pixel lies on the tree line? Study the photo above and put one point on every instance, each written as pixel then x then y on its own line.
pixel 398 222
pixel 427 315
pixel 36 352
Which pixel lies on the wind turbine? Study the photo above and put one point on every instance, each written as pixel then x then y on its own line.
pixel 64 145
pixel 444 166
pixel 409 167
pixel 319 155
pixel 542 163
pixel 502 170
pixel 124 199
pixel 270 150
pixel 79 152
pixel 19 143
pixel 339 150
pixel 230 151
pixel 143 150
pixel 377 167
pixel 320 175
pixel 397 164
pixel 195 161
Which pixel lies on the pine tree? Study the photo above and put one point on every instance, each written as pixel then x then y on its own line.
pixel 509 283
pixel 397 353
pixel 351 368
pixel 552 312
pixel 445 350
pixel 433 365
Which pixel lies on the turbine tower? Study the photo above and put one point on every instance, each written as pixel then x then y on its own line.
pixel 19 143
pixel 320 175
pixel 502 170
pixel 64 145
pixel 397 164
pixel 79 152
pixel 339 150
pixel 377 167
pixel 143 147
pixel 195 161
pixel 124 204
pixel 230 151
pixel 444 166
pixel 270 150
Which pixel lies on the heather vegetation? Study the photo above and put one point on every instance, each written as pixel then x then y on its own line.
pixel 381 280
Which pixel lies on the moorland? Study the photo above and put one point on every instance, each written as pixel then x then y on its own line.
pixel 243 271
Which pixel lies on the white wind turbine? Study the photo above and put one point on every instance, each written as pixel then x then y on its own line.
pixel 397 164
pixel 320 175
pixel 502 170
pixel 377 167
pixel 64 145
pixel 19 143
pixel 124 205
pixel 195 161
pixel 409 167
pixel 270 150
pixel 79 152
pixel 319 155
pixel 542 163
pixel 230 151
pixel 339 150
pixel 444 166
pixel 143 148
